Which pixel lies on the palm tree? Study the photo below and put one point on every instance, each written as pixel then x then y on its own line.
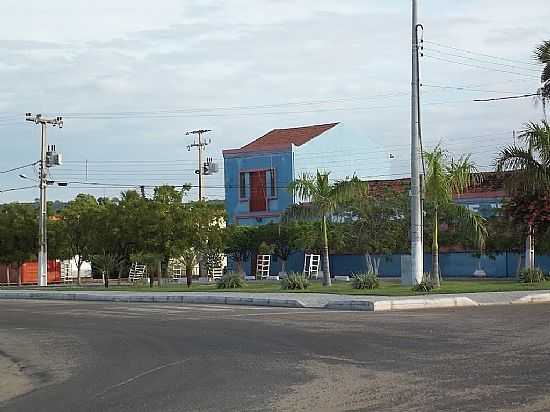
pixel 531 170
pixel 446 178
pixel 324 198
pixel 542 55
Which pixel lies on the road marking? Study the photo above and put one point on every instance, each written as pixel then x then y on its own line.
pixel 141 375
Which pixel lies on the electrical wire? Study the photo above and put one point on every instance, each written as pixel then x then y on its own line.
pixel 480 54
pixel 18 168
pixel 481 67
pixel 15 189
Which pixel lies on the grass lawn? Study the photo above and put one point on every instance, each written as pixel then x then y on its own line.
pixel 387 288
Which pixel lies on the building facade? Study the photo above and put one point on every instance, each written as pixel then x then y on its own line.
pixel 258 174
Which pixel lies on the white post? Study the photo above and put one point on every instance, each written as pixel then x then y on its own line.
pixel 43 252
pixel 417 249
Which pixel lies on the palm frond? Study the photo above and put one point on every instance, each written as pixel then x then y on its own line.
pixel 436 183
pixel 531 175
pixel 475 222
pixel 304 187
pixel 542 52
pixel 463 174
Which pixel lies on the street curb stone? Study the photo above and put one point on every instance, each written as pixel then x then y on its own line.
pixel 317 301
pixel 201 299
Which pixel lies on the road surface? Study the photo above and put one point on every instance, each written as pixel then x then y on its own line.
pixel 84 356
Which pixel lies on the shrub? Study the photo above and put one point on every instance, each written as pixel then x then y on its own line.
pixel 231 281
pixel 426 286
pixel 295 281
pixel 365 281
pixel 535 275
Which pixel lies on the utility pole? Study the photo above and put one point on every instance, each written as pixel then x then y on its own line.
pixel 43 183
pixel 417 247
pixel 200 145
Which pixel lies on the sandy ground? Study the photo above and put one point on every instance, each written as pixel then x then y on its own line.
pixel 13 382
pixel 30 359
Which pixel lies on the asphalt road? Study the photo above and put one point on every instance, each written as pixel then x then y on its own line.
pixel 76 356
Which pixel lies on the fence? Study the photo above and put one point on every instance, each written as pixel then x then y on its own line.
pixel 455 264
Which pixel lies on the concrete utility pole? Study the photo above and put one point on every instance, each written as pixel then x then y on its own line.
pixel 43 183
pixel 417 248
pixel 200 145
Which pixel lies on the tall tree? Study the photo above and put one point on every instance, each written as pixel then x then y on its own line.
pixel 324 198
pixel 446 178
pixel 287 238
pixel 239 244
pixel 18 235
pixel 542 55
pixel 79 219
pixel 529 182
pixel 379 226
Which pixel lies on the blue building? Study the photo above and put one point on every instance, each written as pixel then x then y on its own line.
pixel 257 175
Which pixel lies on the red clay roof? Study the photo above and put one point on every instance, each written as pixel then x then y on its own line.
pixel 283 138
pixel 492 185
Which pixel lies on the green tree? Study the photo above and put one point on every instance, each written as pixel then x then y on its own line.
pixel 446 178
pixel 379 226
pixel 18 235
pixel 529 180
pixel 80 219
pixel 323 198
pixel 287 238
pixel 239 244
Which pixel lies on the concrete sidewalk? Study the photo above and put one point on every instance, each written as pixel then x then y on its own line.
pixel 293 300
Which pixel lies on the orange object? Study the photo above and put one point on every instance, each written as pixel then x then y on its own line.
pixel 29 272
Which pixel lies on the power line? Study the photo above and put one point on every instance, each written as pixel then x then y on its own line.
pixel 482 60
pixel 480 54
pixel 18 168
pixel 15 189
pixel 481 67
pixel 507 98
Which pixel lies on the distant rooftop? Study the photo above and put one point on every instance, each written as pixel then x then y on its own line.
pixel 283 138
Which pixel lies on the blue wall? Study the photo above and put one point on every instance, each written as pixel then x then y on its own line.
pixel 281 161
pixel 502 265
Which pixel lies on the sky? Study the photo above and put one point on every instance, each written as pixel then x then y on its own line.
pixel 131 77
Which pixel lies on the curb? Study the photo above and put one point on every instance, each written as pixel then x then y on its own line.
pixel 224 300
pixel 402 304
pixel 539 298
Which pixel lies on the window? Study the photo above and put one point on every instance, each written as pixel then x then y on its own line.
pixel 271 184
pixel 242 185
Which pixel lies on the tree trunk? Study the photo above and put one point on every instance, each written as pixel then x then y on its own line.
pixel 189 275
pixel 19 282
pixel 240 269
pixel 159 270
pixel 376 265
pixel 326 262
pixel 530 249
pixel 368 261
pixel 435 252
pixel 120 270
pixel 78 266
pixel 283 265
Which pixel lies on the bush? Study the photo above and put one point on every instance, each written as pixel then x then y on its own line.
pixel 295 281
pixel 535 275
pixel 365 281
pixel 231 281
pixel 426 286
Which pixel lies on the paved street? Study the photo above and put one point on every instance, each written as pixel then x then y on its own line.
pixel 84 356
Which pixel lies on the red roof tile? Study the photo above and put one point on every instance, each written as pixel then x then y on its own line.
pixel 283 138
